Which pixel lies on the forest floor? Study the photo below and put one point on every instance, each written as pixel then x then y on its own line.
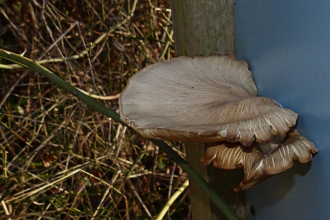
pixel 59 158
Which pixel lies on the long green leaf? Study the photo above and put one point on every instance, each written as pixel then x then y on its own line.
pixel 92 103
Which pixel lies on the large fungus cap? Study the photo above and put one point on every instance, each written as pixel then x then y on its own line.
pixel 257 166
pixel 206 99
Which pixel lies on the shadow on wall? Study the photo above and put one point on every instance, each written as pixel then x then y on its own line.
pixel 286 182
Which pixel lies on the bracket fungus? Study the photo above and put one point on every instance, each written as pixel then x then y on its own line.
pixel 214 99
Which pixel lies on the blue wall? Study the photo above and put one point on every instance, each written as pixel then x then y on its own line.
pixel 287 45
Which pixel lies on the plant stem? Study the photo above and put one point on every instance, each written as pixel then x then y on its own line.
pixel 92 103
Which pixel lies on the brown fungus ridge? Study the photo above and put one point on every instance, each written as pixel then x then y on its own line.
pixel 257 166
pixel 205 99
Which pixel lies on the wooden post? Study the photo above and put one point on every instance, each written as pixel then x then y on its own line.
pixel 205 28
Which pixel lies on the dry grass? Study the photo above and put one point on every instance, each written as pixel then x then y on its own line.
pixel 60 159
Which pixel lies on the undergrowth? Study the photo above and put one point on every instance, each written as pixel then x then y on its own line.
pixel 60 159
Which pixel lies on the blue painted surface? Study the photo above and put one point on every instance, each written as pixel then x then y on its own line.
pixel 287 45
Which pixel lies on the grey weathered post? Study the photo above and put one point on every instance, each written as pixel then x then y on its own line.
pixel 207 27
